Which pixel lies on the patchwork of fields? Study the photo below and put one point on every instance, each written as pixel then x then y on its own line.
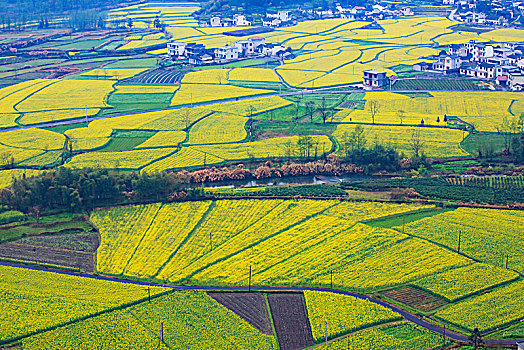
pixel 315 243
pixel 130 111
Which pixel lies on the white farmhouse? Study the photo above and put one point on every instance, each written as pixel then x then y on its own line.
pixel 240 21
pixel 225 53
pixel 245 48
pixel 215 22
pixel 176 49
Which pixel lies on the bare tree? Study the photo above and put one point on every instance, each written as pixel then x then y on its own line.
pixel 416 142
pixel 310 110
pixel 400 114
pixel 374 108
pixel 4 158
pixel 358 138
pixel 187 119
pixel 323 110
pixel 288 148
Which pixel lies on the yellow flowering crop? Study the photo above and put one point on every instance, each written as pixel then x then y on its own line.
pixel 436 142
pixel 217 76
pixel 207 92
pixel 486 234
pixel 113 73
pixel 6 176
pixel 465 280
pixel 274 147
pixel 487 311
pixel 218 128
pixel 33 139
pixel 171 226
pixel 34 300
pixel 405 335
pixel 134 159
pixel 343 314
pixel 164 138
pixel 252 106
pixel 253 74
pixel 66 94
pixel 184 158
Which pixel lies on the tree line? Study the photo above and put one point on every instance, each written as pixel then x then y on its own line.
pixel 82 14
pixel 66 189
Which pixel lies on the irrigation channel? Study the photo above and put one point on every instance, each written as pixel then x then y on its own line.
pixel 408 316
pixel 284 181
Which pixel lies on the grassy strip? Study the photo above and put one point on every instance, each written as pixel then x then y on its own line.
pixel 271 318
pixel 398 219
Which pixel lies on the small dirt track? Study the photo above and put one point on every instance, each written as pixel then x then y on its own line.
pixel 291 321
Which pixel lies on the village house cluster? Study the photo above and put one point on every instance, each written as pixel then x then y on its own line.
pixel 198 54
pixel 503 65
pixel 494 13
pixel 271 20
pixel 285 17
pixel 376 12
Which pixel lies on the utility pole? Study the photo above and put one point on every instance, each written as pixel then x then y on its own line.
pixel 403 224
pixel 305 81
pixel 210 241
pixel 507 258
pixel 458 249
pixel 326 332
pixel 191 100
pixel 249 278
pixel 161 329
pixel 331 279
pixel 444 338
pixel 149 294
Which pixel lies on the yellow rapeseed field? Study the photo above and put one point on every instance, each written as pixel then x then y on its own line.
pixel 195 93
pixel 184 158
pixel 218 128
pixel 65 94
pixel 253 74
pixel 134 159
pixel 436 142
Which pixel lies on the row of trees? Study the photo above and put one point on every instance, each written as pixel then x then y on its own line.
pixel 76 190
pixel 82 14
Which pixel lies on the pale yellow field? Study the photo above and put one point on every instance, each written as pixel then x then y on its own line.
pixel 11 95
pixel 164 138
pixel 436 142
pixel 207 76
pixel 218 128
pixel 65 94
pixel 203 93
pixel 253 74
pixel 134 159
pixel 8 119
pixel 114 73
pixel 7 176
pixel 298 77
pixel 484 109
pixel 54 115
pixel 504 35
pixel 275 147
pixel 36 139
pixel 144 89
pixel 186 157
pixel 257 105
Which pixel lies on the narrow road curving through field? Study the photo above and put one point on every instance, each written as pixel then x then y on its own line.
pixel 408 316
